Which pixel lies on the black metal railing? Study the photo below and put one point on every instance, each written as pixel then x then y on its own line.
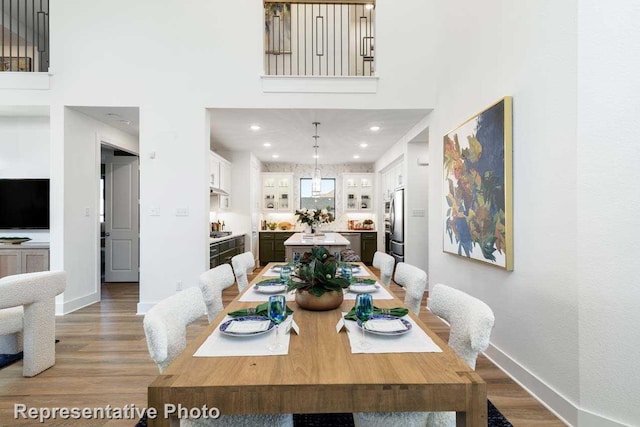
pixel 319 39
pixel 24 35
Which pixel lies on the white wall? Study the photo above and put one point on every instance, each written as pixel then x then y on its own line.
pixel 78 181
pixel 24 153
pixel 608 199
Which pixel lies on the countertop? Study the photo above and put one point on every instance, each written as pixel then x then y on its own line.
pixel 329 239
pixel 223 238
pixel 25 245
pixel 323 231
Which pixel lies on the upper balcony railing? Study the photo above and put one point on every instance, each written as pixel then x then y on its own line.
pixel 24 35
pixel 319 39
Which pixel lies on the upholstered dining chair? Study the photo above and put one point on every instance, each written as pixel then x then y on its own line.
pixel 165 327
pixel 241 264
pixel 385 263
pixel 414 281
pixel 470 322
pixel 212 283
pixel 27 317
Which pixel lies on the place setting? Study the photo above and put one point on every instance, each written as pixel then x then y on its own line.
pixel 256 331
pixel 383 330
pixel 366 286
pixel 262 290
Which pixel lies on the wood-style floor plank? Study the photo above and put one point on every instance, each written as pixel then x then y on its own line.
pixel 102 359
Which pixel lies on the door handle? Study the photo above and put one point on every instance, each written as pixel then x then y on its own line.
pixel 107 234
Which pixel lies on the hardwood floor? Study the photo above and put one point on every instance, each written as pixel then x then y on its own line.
pixel 102 359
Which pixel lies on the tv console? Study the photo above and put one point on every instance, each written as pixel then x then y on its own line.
pixel 27 257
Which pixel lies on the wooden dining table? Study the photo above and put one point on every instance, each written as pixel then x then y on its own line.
pixel 320 374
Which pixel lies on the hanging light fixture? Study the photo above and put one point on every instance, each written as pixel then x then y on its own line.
pixel 316 179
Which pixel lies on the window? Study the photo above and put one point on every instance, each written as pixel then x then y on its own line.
pixel 327 199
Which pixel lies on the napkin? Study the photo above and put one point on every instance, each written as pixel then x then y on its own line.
pixel 259 310
pixel 365 281
pixel 267 281
pixel 396 311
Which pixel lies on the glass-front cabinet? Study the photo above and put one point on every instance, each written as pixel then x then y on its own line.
pixel 358 191
pixel 276 192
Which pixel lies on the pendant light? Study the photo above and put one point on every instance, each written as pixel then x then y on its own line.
pixel 316 179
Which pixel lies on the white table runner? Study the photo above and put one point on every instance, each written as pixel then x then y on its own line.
pixel 220 345
pixel 414 341
pixel 380 293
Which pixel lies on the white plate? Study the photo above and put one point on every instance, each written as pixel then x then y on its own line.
pixel 363 288
pixel 226 328
pixel 270 288
pixel 406 326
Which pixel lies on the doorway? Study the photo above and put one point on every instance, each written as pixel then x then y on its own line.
pixel 119 216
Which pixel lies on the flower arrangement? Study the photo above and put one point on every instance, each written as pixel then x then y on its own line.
pixel 314 217
pixel 316 273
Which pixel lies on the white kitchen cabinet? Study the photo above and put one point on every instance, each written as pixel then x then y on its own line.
pixel 276 192
pixel 392 179
pixel 358 191
pixel 219 173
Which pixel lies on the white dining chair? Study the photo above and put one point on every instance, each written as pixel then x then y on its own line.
pixel 27 317
pixel 385 263
pixel 470 322
pixel 165 327
pixel 241 264
pixel 212 282
pixel 414 282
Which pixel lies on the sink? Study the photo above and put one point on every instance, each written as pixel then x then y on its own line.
pixel 216 234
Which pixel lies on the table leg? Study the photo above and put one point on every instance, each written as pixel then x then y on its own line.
pixel 476 414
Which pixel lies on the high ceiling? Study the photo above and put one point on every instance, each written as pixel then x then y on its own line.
pixel 290 133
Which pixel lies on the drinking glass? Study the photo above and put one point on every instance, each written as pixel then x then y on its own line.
pixel 277 313
pixel 285 274
pixel 346 272
pixel 336 255
pixel 364 311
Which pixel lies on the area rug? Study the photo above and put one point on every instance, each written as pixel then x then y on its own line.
pixel 495 419
pixel 8 359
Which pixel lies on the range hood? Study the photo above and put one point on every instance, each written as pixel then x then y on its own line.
pixel 216 190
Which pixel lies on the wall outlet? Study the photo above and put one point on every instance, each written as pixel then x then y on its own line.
pixel 154 211
pixel 179 285
pixel 87 212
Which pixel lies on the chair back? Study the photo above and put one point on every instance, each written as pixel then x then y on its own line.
pixel 212 283
pixel 385 263
pixel 241 263
pixel 414 281
pixel 165 325
pixel 470 320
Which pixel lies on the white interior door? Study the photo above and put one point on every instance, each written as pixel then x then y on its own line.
pixel 121 219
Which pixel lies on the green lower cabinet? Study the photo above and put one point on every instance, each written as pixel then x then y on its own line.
pixel 368 246
pixel 271 246
pixel 222 252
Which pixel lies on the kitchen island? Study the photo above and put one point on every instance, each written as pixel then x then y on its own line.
pixel 302 242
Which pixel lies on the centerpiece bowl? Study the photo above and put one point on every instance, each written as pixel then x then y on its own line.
pixel 315 282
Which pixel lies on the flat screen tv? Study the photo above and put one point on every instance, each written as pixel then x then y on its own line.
pixel 24 203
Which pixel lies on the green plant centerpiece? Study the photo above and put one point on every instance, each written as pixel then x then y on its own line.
pixel 315 282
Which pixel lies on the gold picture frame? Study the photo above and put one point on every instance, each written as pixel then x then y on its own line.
pixel 478 187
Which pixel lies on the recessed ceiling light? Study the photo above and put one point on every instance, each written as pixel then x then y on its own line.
pixel 113 115
pixel 355 156
pixel 368 6
pixel 275 156
pixel 267 144
pixel 364 145
pixel 375 128
pixel 255 127
pixel 126 122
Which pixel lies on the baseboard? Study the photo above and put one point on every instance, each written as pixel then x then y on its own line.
pixel 77 303
pixel 143 307
pixel 589 419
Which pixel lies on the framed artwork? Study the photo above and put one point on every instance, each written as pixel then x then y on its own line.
pixel 277 28
pixel 478 169
pixel 12 63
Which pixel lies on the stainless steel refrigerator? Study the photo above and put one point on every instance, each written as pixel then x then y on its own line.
pixel 396 217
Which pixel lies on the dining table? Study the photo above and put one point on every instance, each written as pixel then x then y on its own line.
pixel 321 370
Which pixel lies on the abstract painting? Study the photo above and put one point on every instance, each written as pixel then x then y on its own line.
pixel 477 166
pixel 277 28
